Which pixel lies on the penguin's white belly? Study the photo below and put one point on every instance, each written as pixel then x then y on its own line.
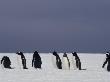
pixel 54 61
pixel 1 65
pixel 74 63
pixel 20 66
pixel 65 63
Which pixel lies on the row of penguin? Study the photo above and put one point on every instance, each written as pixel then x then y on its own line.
pixel 37 62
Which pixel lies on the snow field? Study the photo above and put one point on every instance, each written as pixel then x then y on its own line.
pixel 92 62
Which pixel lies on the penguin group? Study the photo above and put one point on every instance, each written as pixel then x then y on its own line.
pixel 59 63
pixel 36 61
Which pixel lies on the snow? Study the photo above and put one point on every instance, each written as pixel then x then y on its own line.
pixel 92 62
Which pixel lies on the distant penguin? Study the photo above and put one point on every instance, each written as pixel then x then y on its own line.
pixel 36 61
pixel 65 62
pixel 107 61
pixel 21 60
pixel 78 62
pixel 6 62
pixel 56 60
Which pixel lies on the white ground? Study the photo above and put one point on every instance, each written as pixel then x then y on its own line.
pixel 92 62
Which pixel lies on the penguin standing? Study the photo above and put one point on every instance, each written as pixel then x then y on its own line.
pixel 36 61
pixel 6 62
pixel 56 60
pixel 65 62
pixel 78 62
pixel 107 61
pixel 23 60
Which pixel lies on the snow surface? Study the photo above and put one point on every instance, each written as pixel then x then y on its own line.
pixel 92 62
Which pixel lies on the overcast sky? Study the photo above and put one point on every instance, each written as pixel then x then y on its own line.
pixel 61 25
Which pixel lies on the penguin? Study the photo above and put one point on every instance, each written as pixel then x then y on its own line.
pixel 107 61
pixel 6 62
pixel 56 60
pixel 36 61
pixel 78 62
pixel 22 60
pixel 65 62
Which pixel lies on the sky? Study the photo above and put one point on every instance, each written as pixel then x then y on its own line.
pixel 61 25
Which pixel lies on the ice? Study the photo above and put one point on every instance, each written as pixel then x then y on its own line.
pixel 92 62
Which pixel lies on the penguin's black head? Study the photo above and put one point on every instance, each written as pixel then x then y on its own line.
pixel 74 53
pixel 19 53
pixel 36 52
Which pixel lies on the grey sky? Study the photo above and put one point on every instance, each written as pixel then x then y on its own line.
pixel 61 25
